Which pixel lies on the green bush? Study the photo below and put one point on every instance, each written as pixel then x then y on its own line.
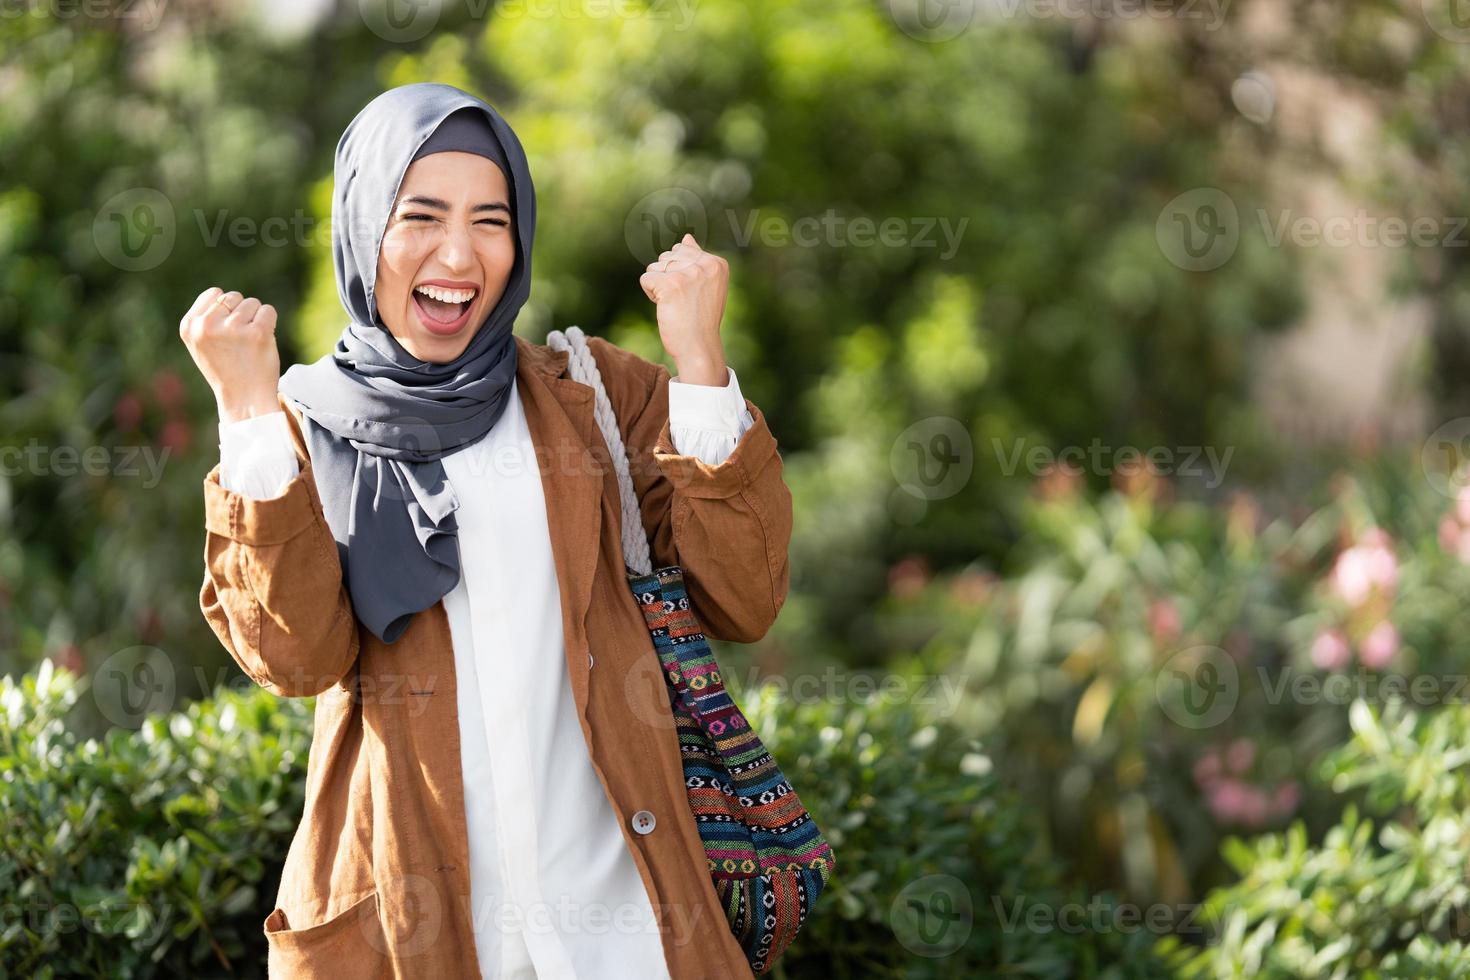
pixel 1066 660
pixel 922 828
pixel 1390 900
pixel 1061 665
pixel 156 852
pixel 148 853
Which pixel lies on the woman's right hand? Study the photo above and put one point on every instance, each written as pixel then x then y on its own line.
pixel 232 339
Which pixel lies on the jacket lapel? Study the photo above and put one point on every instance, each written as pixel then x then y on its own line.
pixel 559 414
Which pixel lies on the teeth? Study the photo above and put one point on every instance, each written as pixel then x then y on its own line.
pixel 446 295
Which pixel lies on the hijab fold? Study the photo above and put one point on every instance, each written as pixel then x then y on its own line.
pixel 378 419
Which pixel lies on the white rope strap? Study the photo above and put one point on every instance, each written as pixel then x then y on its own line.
pixel 583 367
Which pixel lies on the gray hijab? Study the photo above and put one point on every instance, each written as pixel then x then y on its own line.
pixel 378 419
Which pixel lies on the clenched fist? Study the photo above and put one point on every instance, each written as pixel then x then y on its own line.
pixel 232 339
pixel 688 286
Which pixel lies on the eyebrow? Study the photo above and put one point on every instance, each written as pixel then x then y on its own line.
pixel 434 202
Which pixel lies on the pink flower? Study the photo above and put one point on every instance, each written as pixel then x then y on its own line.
pixel 908 576
pixel 1454 538
pixel 1330 650
pixel 1059 481
pixel 1240 755
pixel 1163 621
pixel 972 586
pixel 127 412
pixel 168 388
pixel 1255 808
pixel 1233 801
pixel 1462 504
pixel 1379 646
pixel 1367 566
pixel 1207 769
pixel 1449 533
pixel 1227 800
pixel 70 657
pixel 1285 800
pixel 176 435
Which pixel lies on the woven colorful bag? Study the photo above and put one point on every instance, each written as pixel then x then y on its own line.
pixel 768 859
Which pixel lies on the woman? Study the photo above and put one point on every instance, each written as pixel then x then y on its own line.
pixel 422 528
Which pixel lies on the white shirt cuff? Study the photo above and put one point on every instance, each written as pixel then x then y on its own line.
pixel 707 421
pixel 257 456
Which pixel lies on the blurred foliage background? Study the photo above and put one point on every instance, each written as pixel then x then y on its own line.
pixel 1112 349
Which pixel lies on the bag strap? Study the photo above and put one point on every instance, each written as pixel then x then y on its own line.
pixel 582 366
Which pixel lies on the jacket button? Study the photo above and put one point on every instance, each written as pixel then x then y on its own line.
pixel 643 822
pixel 589 659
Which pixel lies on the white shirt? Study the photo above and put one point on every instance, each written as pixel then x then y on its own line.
pixel 554 891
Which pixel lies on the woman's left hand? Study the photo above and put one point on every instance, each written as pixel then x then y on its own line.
pixel 688 286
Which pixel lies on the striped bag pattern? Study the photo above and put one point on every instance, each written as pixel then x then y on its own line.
pixel 766 855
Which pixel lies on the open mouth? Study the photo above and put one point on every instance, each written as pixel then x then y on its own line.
pixel 441 308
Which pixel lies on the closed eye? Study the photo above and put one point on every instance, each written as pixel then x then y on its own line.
pixel 498 222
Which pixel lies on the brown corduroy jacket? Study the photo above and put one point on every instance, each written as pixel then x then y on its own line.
pixel 376 882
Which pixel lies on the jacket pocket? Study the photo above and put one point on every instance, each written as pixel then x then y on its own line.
pixel 349 944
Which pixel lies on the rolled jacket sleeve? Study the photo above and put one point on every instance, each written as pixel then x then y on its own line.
pixel 708 420
pixel 727 524
pixel 273 590
pixel 725 519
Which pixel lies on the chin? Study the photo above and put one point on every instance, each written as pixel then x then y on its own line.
pixel 438 350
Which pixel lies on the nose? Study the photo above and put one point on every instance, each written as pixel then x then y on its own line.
pixel 456 250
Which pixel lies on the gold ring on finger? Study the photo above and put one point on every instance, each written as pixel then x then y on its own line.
pixel 220 299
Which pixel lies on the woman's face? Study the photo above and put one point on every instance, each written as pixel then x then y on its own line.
pixel 446 255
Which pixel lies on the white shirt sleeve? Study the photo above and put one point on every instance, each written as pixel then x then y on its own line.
pixel 707 421
pixel 257 456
